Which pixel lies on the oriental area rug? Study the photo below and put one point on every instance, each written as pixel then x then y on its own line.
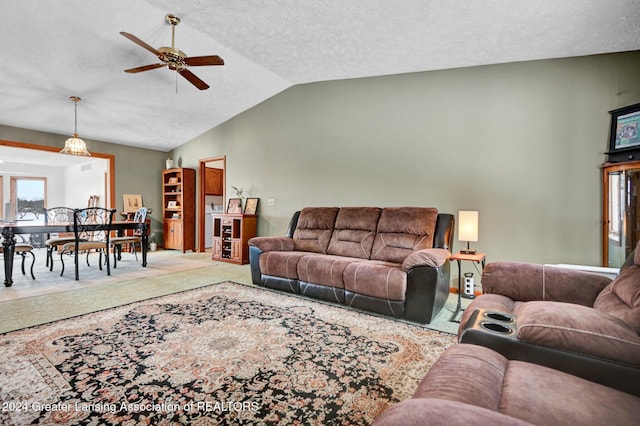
pixel 226 353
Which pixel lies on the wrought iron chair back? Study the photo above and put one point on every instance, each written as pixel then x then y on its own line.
pixel 140 217
pixel 85 219
pixel 92 229
pixel 117 242
pixel 57 215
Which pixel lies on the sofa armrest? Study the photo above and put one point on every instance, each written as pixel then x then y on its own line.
pixel 434 257
pixel 528 282
pixel 272 243
pixel 578 329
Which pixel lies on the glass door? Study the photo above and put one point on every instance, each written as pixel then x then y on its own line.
pixel 621 213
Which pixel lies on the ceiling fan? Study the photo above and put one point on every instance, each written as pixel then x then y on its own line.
pixel 175 59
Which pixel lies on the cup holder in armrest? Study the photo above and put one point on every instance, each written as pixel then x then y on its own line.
pixel 499 316
pixel 495 327
pixel 487 326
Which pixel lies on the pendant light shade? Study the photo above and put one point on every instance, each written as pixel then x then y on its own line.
pixel 74 145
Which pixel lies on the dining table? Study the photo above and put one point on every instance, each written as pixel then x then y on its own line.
pixel 10 230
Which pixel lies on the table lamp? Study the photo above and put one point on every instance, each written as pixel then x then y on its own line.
pixel 468 229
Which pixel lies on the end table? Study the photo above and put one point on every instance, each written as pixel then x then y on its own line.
pixel 459 257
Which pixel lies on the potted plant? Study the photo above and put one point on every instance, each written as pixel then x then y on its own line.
pixel 153 246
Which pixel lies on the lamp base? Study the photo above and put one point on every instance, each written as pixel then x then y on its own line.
pixel 468 251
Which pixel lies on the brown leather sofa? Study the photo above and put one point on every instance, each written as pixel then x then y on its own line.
pixel 393 261
pixel 577 322
pixel 474 385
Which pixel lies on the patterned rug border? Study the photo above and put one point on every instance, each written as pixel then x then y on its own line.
pixel 272 291
pixel 349 308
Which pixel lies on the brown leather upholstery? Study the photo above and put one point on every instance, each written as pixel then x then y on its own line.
pixel 579 322
pixel 484 387
pixel 356 256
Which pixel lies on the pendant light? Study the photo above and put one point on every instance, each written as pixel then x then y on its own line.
pixel 74 145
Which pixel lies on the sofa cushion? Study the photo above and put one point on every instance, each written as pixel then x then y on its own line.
pixel 281 263
pixel 403 230
pixel 621 298
pixel 384 280
pixel 578 329
pixel 314 229
pixel 354 231
pixel 324 269
pixel 479 376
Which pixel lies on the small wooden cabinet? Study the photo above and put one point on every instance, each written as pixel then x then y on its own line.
pixel 213 181
pixel 231 235
pixel 178 209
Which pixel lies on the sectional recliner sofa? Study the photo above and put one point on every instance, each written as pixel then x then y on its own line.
pixel 542 345
pixel 392 261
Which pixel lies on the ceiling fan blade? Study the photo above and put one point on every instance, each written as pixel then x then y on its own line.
pixel 144 68
pixel 196 61
pixel 139 42
pixel 193 79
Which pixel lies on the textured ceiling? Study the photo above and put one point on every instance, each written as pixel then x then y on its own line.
pixel 55 49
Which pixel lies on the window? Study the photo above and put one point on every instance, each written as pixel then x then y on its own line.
pixel 28 197
pixel 616 206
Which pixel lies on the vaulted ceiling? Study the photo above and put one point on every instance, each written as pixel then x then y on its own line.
pixel 55 49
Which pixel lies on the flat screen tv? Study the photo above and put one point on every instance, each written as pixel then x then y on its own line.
pixel 624 135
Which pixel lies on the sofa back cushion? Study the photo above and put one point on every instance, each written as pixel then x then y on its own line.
pixel 403 230
pixel 354 232
pixel 621 298
pixel 314 229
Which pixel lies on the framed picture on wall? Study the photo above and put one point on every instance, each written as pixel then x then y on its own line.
pixel 252 206
pixel 234 205
pixel 132 202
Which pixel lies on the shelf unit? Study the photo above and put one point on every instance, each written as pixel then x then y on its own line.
pixel 620 211
pixel 231 235
pixel 178 209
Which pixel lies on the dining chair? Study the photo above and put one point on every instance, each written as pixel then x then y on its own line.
pixel 55 242
pixel 23 248
pixel 136 238
pixel 91 229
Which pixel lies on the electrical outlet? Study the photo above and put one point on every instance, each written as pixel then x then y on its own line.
pixel 271 201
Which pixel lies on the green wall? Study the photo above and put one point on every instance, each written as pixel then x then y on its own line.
pixel 520 142
pixel 138 171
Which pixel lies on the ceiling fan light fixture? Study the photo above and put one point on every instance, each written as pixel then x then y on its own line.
pixel 74 145
pixel 174 59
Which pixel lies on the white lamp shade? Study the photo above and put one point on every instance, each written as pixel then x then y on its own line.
pixel 467 225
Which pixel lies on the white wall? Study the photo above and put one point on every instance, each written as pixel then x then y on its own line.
pixel 68 186
pixel 84 180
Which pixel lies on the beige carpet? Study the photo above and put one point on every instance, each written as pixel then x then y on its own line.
pixel 158 263
pixel 51 297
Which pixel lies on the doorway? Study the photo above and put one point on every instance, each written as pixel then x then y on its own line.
pixel 212 176
pixel 33 158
